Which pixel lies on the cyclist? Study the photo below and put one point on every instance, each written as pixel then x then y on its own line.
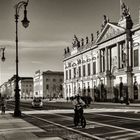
pixel 78 108
pixel 3 105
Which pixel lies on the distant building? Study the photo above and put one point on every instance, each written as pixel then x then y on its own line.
pixel 7 88
pixel 106 67
pixel 48 84
pixel 25 86
pixel 3 89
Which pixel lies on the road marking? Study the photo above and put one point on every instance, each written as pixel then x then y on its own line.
pixel 134 119
pixel 68 128
pixel 131 138
pixel 26 129
pixel 113 132
pixel 102 124
pixel 22 107
pixel 33 111
pixel 124 135
pixel 51 138
pixel 86 110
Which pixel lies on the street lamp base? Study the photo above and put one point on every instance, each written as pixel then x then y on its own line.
pixel 17 113
pixel 127 103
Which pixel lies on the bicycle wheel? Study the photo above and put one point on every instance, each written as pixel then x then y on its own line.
pixel 76 120
pixel 83 122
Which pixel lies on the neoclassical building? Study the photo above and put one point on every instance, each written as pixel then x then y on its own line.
pixel 106 67
pixel 48 84
pixel 7 89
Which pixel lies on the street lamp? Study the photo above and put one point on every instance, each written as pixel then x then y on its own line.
pixel 3 57
pixel 25 23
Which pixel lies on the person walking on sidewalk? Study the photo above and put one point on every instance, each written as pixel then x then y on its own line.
pixel 78 105
pixel 122 99
pixel 3 105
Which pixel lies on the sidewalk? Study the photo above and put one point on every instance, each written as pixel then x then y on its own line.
pixel 12 128
pixel 116 104
pixel 17 129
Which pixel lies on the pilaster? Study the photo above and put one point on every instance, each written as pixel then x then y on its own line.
pixel 130 84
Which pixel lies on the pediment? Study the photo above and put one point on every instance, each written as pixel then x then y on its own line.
pixel 109 31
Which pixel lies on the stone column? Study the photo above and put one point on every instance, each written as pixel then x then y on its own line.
pixel 108 74
pixel 129 65
pixel 106 59
pixel 99 61
pixel 119 58
pixel 130 85
pixel 92 91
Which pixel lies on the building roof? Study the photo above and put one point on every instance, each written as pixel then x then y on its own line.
pixel 49 72
pixel 23 78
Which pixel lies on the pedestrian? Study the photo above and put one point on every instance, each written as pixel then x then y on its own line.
pixel 122 99
pixel 78 103
pixel 67 99
pixel 78 108
pixel 3 105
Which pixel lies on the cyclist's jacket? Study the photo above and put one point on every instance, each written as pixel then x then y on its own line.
pixel 78 104
pixel 3 103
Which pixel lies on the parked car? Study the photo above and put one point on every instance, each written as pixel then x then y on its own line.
pixel 37 102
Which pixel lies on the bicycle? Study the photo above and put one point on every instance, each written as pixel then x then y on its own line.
pixel 2 109
pixel 79 118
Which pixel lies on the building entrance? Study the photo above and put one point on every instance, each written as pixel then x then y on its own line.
pixel 135 90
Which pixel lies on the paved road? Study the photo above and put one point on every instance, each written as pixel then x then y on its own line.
pixel 115 123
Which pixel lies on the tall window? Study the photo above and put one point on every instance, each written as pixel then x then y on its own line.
pixel 102 60
pixel 69 89
pixel 79 69
pixel 47 86
pixel 89 69
pixel 94 67
pixel 136 58
pixel 84 70
pixel 66 75
pixel 61 87
pixel 122 54
pixel 74 72
pixel 69 74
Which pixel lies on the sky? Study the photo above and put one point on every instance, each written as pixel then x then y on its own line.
pixel 53 23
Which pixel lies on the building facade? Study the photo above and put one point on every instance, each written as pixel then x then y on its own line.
pixel 48 84
pixel 25 86
pixel 7 88
pixel 106 67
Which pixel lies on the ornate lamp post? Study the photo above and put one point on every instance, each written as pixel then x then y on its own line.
pixel 2 57
pixel 25 23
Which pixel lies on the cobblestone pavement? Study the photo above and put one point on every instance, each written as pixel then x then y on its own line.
pixel 52 130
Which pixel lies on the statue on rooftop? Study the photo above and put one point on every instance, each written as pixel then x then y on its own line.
pixel 92 37
pixel 86 40
pixel 65 51
pixel 75 42
pixel 105 21
pixel 68 50
pixel 102 27
pixel 97 33
pixel 82 42
pixel 125 11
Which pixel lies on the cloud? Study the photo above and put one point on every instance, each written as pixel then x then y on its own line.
pixel 37 62
pixel 35 44
pixel 6 43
